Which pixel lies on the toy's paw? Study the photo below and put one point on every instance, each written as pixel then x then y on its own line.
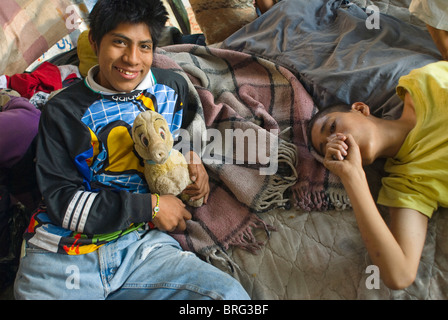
pixel 194 203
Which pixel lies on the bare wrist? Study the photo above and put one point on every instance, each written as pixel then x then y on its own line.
pixel 355 178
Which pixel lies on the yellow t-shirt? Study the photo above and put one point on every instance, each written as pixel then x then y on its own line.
pixel 418 175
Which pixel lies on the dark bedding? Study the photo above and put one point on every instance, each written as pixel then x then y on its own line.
pixel 328 46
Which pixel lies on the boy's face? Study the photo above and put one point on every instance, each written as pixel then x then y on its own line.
pixel 125 56
pixel 324 127
pixel 352 122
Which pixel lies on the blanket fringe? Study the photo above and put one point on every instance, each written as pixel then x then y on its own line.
pixel 321 200
pixel 245 239
pixel 219 258
pixel 339 200
pixel 273 195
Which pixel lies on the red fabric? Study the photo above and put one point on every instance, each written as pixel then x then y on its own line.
pixel 46 78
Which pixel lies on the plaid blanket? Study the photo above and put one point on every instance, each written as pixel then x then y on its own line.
pixel 28 28
pixel 236 91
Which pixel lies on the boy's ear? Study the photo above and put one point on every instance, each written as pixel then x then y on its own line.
pixel 361 107
pixel 93 44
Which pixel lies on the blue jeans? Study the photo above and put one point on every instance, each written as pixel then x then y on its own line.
pixel 137 266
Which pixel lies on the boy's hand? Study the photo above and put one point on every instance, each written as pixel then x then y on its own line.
pixel 198 174
pixel 172 214
pixel 342 155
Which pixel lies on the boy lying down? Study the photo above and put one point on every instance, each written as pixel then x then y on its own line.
pixel 416 148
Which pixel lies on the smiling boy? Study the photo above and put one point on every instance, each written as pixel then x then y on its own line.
pixel 98 234
pixel 416 148
pixel 120 72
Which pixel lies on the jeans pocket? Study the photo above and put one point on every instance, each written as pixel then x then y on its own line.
pixel 29 248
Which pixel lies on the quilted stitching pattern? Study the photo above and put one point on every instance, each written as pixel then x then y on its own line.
pixel 320 255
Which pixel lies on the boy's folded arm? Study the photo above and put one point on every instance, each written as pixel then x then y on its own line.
pixel 395 249
pixel 89 212
pixel 69 203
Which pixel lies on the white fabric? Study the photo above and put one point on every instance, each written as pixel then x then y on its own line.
pixel 146 83
pixel 432 12
pixel 3 82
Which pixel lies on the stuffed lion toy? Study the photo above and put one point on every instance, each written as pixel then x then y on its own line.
pixel 166 169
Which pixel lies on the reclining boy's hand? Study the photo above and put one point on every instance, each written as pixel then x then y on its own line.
pixel 172 214
pixel 342 155
pixel 336 146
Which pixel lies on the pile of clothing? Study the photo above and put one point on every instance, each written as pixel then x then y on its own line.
pixel 39 84
pixel 22 96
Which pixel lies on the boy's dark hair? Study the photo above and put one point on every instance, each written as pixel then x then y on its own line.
pixel 333 108
pixel 106 15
